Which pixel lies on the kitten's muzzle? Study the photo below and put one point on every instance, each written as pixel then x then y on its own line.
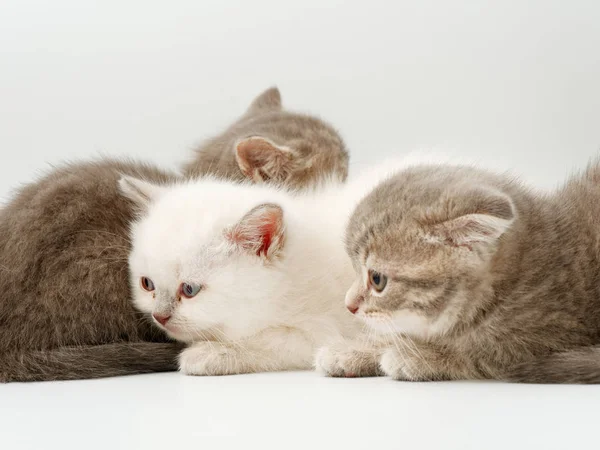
pixel 355 296
pixel 161 318
pixel 353 309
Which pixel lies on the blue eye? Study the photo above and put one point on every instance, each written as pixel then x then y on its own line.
pixel 190 290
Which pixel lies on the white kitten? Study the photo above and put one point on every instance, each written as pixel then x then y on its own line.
pixel 253 276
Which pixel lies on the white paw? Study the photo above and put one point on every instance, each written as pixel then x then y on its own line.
pixel 344 361
pixel 208 358
pixel 328 361
pixel 398 366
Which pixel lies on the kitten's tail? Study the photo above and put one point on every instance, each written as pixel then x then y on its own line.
pixel 577 366
pixel 77 363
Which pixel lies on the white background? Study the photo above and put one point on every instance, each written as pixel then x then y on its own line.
pixel 515 84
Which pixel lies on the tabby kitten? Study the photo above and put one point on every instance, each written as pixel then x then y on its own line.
pixel 469 275
pixel 269 144
pixel 65 308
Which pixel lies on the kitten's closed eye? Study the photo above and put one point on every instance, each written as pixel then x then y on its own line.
pixel 147 284
pixel 190 290
pixel 377 281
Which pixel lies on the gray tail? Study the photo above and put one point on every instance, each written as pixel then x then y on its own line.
pixel 578 366
pixel 78 363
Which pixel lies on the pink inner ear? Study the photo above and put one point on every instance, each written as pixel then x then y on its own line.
pixel 254 153
pixel 262 160
pixel 257 233
pixel 267 231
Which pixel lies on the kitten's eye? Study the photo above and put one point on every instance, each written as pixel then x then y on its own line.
pixel 189 290
pixel 147 284
pixel 377 280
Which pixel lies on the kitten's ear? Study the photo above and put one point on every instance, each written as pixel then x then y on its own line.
pixel 141 192
pixel 480 217
pixel 269 100
pixel 262 160
pixel 260 232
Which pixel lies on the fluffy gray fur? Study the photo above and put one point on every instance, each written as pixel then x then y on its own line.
pixel 486 279
pixel 65 309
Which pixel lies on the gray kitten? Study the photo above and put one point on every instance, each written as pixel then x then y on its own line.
pixel 470 275
pixel 268 144
pixel 65 307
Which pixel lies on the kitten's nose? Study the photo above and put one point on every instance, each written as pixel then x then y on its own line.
pixel 162 319
pixel 352 308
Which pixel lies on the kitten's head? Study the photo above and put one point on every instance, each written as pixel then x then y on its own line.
pixel 271 145
pixel 204 259
pixel 422 243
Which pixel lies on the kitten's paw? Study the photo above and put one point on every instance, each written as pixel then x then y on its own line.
pixel 403 365
pixel 394 364
pixel 209 358
pixel 343 361
pixel 329 361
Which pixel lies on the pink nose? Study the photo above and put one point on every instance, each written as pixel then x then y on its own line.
pixel 161 319
pixel 352 308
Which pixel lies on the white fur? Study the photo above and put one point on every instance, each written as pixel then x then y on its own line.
pixel 251 315
pixel 265 315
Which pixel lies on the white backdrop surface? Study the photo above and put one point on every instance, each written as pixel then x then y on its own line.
pixel 513 84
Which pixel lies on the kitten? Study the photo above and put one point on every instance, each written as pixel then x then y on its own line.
pixel 250 276
pixel 273 145
pixel 65 309
pixel 470 275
